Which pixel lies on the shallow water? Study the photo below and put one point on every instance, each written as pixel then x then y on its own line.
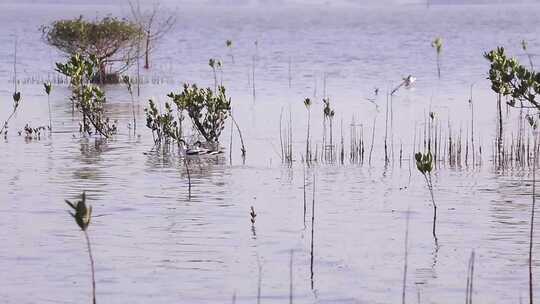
pixel 154 245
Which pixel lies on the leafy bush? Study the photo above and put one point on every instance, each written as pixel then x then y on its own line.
pixel 511 79
pixel 163 125
pixel 208 111
pixel 110 40
pixel 88 98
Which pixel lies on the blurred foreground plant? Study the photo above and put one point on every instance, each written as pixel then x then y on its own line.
pixel 82 216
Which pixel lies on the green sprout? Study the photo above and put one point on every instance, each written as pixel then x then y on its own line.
pixel 48 89
pixel 307 104
pixel 127 81
pixel 438 44
pixel 229 45
pixel 16 103
pixel 424 164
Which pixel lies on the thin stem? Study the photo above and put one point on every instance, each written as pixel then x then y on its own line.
pixel 430 187
pixel 291 279
pixel 92 266
pixel 532 221
pixel 405 266
pixel 312 231
pixel 50 117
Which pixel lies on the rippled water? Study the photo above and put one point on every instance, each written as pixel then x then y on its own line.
pixel 154 245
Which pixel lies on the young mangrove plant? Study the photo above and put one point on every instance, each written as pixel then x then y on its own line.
pixel 534 125
pixel 437 44
pixel 127 82
pixel 88 98
pixel 424 164
pixel 512 80
pixel 16 103
pixel 163 125
pixel 82 216
pixel 207 110
pixel 307 104
pixel 253 215
pixel 328 115
pixel 48 89
pixel 229 45
pixel 213 64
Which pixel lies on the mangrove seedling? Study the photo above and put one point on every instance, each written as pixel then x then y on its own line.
pixel 16 103
pixel 438 44
pixel 82 216
pixel 307 104
pixel 512 80
pixel 207 109
pixel 534 125
pixel 163 125
pixel 48 89
pixel 88 98
pixel 424 164
pixel 253 215
pixel 229 45
pixel 127 82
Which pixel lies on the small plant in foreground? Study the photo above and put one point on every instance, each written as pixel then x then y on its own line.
pixel 534 125
pixel 82 216
pixel 438 44
pixel 424 164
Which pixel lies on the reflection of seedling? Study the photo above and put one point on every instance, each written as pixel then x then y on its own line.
pixel 424 163
pixel 82 216
pixel 48 89
pixel 253 215
pixel 16 102
pixel 438 44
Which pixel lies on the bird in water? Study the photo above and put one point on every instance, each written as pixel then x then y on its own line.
pixel 407 82
pixel 197 149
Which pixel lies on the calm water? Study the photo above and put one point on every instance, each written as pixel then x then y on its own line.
pixel 154 245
